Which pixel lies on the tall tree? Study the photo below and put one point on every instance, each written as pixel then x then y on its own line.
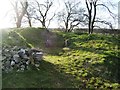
pixel 29 19
pixel 90 6
pixel 20 8
pixel 71 15
pixel 30 12
pixel 42 11
pixel 92 10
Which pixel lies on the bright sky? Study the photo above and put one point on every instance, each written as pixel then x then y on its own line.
pixel 4 8
pixel 6 18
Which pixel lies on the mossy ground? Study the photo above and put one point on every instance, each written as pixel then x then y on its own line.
pixel 88 62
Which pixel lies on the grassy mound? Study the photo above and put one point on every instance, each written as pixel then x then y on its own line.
pixel 89 62
pixel 33 38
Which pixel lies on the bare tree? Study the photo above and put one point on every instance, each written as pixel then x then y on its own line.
pixel 42 12
pixel 20 8
pixel 92 9
pixel 71 16
pixel 30 12
pixel 29 20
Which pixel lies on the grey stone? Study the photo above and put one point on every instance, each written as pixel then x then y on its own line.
pixel 7 64
pixel 28 62
pixel 12 63
pixel 37 65
pixel 17 58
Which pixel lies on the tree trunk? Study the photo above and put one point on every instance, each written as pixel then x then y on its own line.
pixel 30 24
pixel 18 23
pixel 89 8
pixel 29 19
pixel 43 24
pixel 19 16
pixel 89 25
pixel 66 26
pixel 93 21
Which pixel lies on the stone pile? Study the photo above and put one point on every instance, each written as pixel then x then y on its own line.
pixel 19 58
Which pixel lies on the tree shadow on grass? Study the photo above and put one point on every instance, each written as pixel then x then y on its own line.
pixel 48 76
pixel 110 68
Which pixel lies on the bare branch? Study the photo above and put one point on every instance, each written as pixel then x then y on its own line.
pixel 111 14
pixel 20 12
pixel 105 22
pixel 42 12
pixel 70 15
pixel 50 20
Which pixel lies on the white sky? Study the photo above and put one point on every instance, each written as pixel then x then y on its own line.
pixel 4 8
pixel 6 18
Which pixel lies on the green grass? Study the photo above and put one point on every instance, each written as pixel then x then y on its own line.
pixel 47 76
pixel 89 62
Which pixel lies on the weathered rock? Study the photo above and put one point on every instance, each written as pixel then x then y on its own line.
pixel 19 59
pixel 12 63
pixel 16 58
pixel 28 62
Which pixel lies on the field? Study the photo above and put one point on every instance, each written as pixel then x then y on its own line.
pixel 88 62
